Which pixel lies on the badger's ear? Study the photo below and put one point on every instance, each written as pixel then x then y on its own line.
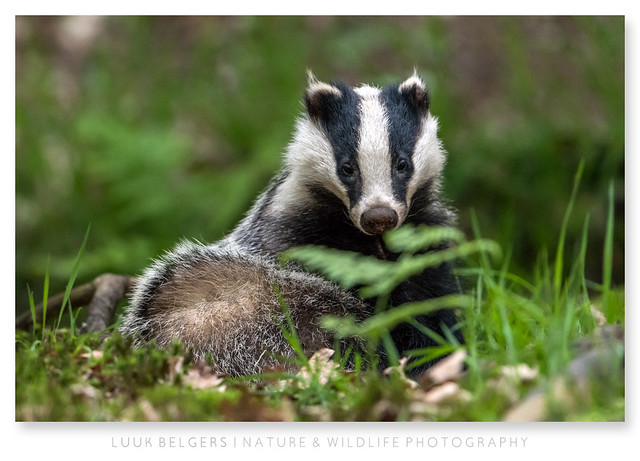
pixel 320 98
pixel 416 94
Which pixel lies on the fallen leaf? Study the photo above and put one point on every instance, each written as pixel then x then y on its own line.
pixel 385 410
pixel 317 413
pixel 199 381
pixel 399 369
pixel 446 391
pixel 598 316
pixel 148 412
pixel 84 391
pixel 176 367
pixel 449 368
pixel 202 376
pixel 521 372
pixel 321 366
pixel 94 354
pixel 533 408
pixel 507 387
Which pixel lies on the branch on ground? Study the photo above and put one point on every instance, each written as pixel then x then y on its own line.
pixel 102 295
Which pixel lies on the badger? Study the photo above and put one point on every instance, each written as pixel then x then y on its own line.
pixel 362 161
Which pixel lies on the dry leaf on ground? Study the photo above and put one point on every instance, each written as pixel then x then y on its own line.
pixel 320 365
pixel 202 376
pixel 450 368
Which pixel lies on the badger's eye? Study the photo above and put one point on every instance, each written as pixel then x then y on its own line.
pixel 347 169
pixel 401 165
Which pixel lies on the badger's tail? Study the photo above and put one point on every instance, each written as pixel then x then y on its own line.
pixel 223 303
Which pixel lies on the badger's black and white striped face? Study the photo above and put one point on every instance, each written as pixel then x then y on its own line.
pixel 370 147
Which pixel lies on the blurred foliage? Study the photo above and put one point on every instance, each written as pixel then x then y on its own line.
pixel 155 128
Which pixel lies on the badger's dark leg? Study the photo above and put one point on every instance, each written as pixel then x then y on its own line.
pixel 432 283
pixel 224 304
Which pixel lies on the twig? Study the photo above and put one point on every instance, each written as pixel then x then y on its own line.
pixel 102 294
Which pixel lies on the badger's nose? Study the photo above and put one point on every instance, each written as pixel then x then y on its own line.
pixel 378 219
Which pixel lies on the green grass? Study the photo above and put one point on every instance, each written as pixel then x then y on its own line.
pixel 508 321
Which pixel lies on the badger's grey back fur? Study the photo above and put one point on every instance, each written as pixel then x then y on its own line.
pixel 224 303
pixel 362 161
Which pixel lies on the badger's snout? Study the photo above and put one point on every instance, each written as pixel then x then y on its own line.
pixel 378 219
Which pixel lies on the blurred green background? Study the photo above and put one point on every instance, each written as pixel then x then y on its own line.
pixel 158 128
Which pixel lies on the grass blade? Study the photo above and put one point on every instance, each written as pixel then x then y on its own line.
pixel 32 307
pixel 607 261
pixel 72 278
pixel 563 231
pixel 289 331
pixel 45 297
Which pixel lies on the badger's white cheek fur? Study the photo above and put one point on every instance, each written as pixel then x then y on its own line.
pixel 310 161
pixel 428 156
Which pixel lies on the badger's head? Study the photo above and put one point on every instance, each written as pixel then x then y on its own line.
pixel 372 148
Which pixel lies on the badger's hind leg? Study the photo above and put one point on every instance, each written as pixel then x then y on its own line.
pixel 223 303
